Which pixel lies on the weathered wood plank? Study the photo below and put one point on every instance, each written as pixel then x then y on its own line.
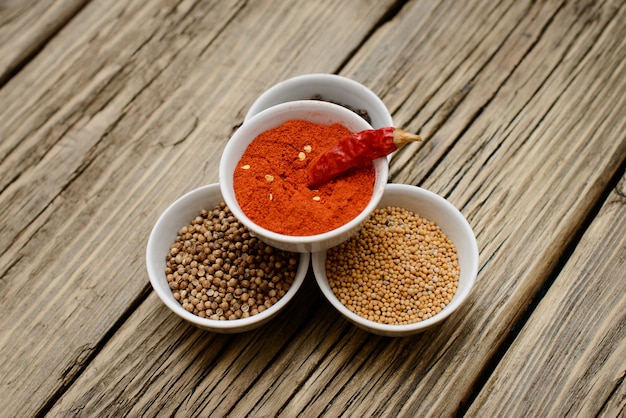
pixel 50 146
pixel 196 373
pixel 26 26
pixel 569 357
pixel 149 124
pixel 328 371
pixel 123 111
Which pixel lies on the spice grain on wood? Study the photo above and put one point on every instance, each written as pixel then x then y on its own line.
pixel 399 269
pixel 217 270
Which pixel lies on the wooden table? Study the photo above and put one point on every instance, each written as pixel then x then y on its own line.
pixel 111 110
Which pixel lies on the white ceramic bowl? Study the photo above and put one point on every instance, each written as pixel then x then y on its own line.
pixel 312 111
pixel 331 87
pixel 434 208
pixel 164 233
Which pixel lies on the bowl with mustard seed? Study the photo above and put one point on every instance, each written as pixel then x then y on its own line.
pixel 264 177
pixel 210 270
pixel 411 265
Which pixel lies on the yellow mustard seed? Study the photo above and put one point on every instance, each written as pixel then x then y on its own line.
pixel 301 156
pixel 399 269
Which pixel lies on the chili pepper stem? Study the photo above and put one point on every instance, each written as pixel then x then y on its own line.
pixel 401 137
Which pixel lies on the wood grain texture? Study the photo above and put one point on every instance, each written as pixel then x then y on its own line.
pixel 569 358
pixel 26 26
pixel 213 373
pixel 407 376
pixel 521 105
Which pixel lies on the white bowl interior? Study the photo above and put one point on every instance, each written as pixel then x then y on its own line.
pixel 450 220
pixel 164 233
pixel 316 112
pixel 331 87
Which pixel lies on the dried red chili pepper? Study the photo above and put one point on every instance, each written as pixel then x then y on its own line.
pixel 356 150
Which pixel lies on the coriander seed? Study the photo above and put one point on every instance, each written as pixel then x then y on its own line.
pixel 217 270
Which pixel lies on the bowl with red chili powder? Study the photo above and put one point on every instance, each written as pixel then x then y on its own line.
pixel 264 177
pixel 208 269
pixel 412 264
pixel 327 87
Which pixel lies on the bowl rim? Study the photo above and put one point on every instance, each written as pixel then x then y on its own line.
pixel 262 102
pixel 319 258
pixel 165 294
pixel 381 165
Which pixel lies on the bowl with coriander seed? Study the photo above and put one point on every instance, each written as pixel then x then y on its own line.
pixel 208 269
pixel 412 264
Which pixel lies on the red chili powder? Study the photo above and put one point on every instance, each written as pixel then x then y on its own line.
pixel 270 181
